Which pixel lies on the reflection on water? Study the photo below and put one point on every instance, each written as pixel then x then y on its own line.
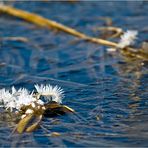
pixel 107 91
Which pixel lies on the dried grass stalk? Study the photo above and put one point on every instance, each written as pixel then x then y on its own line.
pixel 43 22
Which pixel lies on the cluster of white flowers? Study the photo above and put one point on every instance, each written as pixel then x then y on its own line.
pixel 14 99
pixel 50 93
pixel 128 38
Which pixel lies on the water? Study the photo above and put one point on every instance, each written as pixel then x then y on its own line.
pixel 108 92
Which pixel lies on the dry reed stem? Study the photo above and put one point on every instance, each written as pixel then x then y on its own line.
pixel 118 31
pixel 43 22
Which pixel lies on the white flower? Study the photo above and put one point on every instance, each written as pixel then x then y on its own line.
pixel 4 95
pixel 7 99
pixel 50 93
pixel 24 99
pixel 127 38
pixel 15 99
pixel 19 91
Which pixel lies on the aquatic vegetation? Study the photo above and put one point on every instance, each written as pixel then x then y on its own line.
pixel 108 91
pixel 50 93
pixel 16 99
pixel 127 38
pixel 32 106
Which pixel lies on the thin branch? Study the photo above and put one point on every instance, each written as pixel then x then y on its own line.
pixel 118 31
pixel 43 22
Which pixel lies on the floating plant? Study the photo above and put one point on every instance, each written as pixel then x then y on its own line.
pixel 31 106
pixel 126 39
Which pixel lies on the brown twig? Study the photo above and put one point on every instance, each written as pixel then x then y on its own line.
pixel 43 22
pixel 118 31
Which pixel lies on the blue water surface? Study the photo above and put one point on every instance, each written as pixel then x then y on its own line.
pixel 107 91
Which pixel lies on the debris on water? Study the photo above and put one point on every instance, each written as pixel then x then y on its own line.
pixel 31 107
